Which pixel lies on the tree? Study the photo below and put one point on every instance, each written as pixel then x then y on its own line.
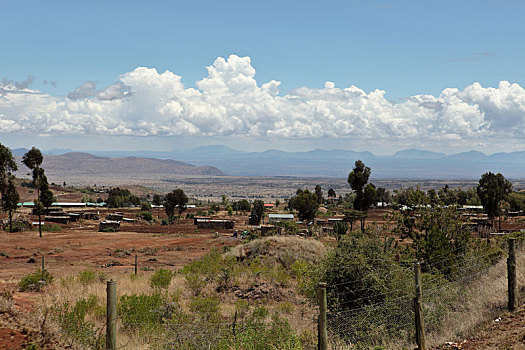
pixel 306 205
pixel 7 163
pixel 340 229
pixel 157 200
pixel 365 195
pixel 121 197
pixel 10 198
pixel 33 160
pixel 492 190
pixel 242 205
pixel 8 191
pixel 331 193
pixel 358 179
pixel 383 196
pixel 257 212
pixel 319 194
pixel 46 196
pixel 175 199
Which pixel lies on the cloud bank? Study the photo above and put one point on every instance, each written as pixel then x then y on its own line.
pixel 230 102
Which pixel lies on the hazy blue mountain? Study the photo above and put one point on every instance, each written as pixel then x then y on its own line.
pixel 19 152
pixel 409 164
pixel 469 155
pixel 417 153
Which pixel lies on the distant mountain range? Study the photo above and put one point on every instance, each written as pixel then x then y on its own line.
pixel 78 163
pixel 407 164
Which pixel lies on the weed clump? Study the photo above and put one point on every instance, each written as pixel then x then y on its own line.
pixel 36 281
pixel 161 279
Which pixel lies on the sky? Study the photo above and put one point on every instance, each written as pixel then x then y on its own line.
pixel 371 75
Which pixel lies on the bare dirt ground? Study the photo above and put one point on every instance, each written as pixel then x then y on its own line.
pixel 504 333
pixel 78 248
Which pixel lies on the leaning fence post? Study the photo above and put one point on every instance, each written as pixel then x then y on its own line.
pixel 511 275
pixel 111 320
pixel 43 264
pixel 322 339
pixel 418 310
pixel 136 264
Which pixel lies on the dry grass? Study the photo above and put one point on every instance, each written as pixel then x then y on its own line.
pixel 299 314
pixel 486 300
pixel 281 249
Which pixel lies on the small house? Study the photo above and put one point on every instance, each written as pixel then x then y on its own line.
pixel 109 224
pixel 115 216
pixel 280 217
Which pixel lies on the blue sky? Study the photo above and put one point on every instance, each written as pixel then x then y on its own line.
pixel 404 48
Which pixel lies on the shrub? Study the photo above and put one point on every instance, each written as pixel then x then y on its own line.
pixel 146 215
pixel 87 277
pixel 36 281
pixel 140 310
pixel 51 227
pixel 161 279
pixel 109 229
pixel 72 320
pixel 18 226
pixel 145 206
pixel 257 334
pixel 195 283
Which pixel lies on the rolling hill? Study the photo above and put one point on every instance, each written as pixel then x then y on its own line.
pixel 78 163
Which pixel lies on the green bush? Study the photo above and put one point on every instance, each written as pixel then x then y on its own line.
pixel 290 227
pixel 51 227
pixel 72 321
pixel 141 311
pixel 255 333
pixel 146 215
pixel 161 279
pixel 145 206
pixel 36 281
pixel 87 277
pixel 18 226
pixel 195 283
pixel 109 229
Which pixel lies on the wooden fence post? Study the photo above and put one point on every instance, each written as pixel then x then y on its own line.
pixel 418 310
pixel 43 264
pixel 322 339
pixel 136 264
pixel 511 276
pixel 111 320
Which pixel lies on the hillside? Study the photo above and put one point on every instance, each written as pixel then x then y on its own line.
pixel 75 163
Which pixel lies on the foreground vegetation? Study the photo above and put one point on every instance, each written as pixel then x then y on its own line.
pixel 262 294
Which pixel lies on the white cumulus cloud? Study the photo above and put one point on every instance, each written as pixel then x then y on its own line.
pixel 230 102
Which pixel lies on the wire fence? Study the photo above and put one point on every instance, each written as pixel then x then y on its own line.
pixel 363 317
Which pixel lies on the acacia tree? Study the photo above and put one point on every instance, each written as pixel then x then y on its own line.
pixel 33 160
pixel 492 190
pixel 364 194
pixel 8 191
pixel 175 199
